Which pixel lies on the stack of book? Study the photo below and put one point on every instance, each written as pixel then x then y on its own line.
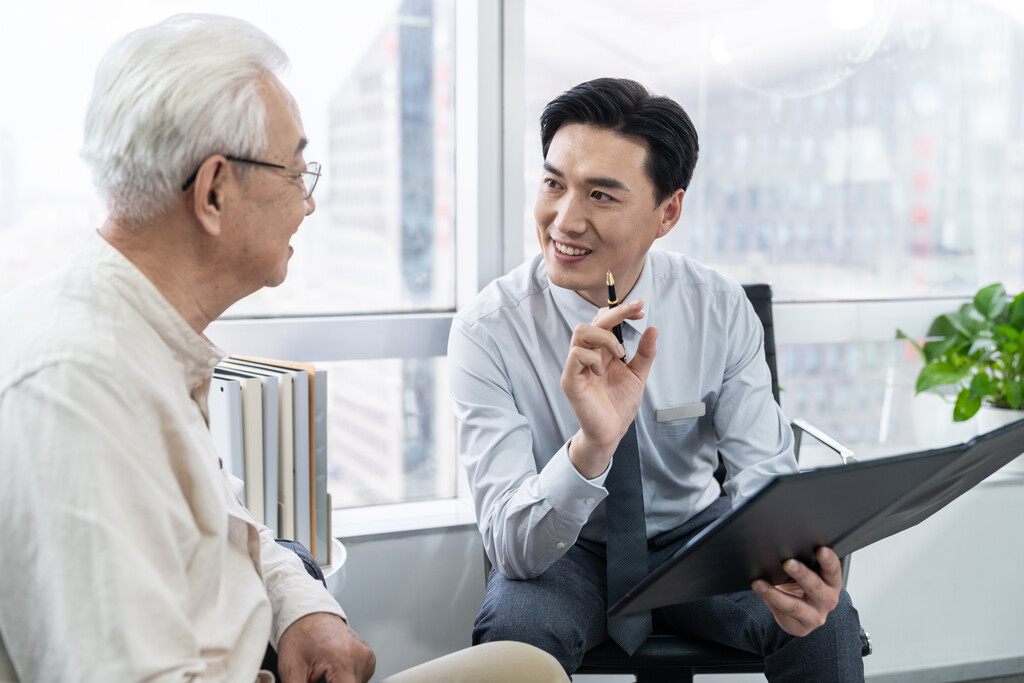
pixel 268 419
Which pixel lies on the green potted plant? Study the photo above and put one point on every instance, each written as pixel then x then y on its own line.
pixel 976 353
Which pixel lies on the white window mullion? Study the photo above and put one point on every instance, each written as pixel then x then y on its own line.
pixel 513 67
pixel 478 146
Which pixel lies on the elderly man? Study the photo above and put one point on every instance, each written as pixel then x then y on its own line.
pixel 130 556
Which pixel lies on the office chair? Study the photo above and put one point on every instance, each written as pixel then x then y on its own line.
pixel 666 657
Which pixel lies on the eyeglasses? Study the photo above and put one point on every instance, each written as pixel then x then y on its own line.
pixel 310 174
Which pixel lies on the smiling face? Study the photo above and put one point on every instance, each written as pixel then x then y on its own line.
pixel 595 211
pixel 274 203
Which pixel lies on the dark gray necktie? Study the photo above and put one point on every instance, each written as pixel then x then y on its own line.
pixel 627 540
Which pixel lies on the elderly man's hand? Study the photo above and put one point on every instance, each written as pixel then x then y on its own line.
pixel 801 607
pixel 323 646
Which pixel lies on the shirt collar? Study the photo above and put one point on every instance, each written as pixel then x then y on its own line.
pixel 197 354
pixel 574 309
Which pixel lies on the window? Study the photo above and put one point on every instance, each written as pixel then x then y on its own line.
pixel 894 179
pixel 899 116
pixel 372 284
pixel 880 167
pixel 375 85
pixel 391 420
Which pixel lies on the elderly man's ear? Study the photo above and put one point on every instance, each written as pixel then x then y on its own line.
pixel 209 193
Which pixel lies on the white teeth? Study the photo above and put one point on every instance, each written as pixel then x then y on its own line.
pixel 570 251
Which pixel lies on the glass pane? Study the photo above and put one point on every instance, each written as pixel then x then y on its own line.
pixel 862 394
pixel 374 82
pixel 849 150
pixel 391 432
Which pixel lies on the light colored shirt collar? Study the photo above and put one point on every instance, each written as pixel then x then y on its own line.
pixel 197 354
pixel 574 309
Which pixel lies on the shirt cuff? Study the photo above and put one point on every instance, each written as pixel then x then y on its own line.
pixel 302 596
pixel 567 491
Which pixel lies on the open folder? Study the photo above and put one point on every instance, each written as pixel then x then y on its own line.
pixel 846 507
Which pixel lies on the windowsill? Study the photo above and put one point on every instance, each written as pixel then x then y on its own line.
pixel 402 519
pixel 374 522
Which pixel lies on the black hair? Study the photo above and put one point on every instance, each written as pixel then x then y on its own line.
pixel 625 107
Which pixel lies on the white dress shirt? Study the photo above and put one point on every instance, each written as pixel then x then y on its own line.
pixel 506 353
pixel 126 554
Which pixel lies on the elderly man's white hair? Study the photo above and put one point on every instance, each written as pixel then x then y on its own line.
pixel 168 96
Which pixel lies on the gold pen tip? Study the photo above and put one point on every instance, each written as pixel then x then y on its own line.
pixel 608 279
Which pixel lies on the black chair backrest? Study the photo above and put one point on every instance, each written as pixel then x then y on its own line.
pixel 760 296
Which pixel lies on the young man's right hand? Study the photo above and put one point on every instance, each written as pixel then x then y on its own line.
pixel 603 391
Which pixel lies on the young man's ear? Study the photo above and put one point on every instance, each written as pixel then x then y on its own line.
pixel 671 209
pixel 208 193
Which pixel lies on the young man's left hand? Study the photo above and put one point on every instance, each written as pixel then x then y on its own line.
pixel 803 606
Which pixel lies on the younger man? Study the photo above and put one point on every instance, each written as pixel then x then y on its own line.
pixel 543 402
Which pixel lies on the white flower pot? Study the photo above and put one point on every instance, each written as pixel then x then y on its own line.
pixel 934 426
pixel 990 418
pixel 933 422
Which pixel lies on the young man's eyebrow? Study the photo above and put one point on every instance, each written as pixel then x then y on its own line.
pixel 610 183
pixel 552 170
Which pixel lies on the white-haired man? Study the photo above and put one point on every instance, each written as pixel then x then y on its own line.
pixel 135 559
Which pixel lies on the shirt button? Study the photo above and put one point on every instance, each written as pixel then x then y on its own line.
pixel 559 545
pixel 212 362
pixel 589 501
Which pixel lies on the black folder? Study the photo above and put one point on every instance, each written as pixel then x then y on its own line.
pixel 846 507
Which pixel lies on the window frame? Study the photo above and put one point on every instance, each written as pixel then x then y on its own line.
pixel 481 254
pixel 795 322
pixel 489 187
pixel 483 251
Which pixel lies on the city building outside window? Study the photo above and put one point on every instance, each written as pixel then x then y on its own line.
pixel 375 84
pixel 854 154
pixel 851 152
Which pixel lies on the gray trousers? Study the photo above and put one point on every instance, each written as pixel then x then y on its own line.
pixel 563 611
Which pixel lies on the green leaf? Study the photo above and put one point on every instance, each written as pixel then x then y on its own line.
pixel 968 321
pixel 991 301
pixel 1008 332
pixel 940 347
pixel 983 344
pixel 976 326
pixel 1015 393
pixel 965 406
pixel 939 374
pixel 944 326
pixel 1017 312
pixel 900 334
pixel 983 386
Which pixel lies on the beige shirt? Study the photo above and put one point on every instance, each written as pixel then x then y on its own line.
pixel 126 555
